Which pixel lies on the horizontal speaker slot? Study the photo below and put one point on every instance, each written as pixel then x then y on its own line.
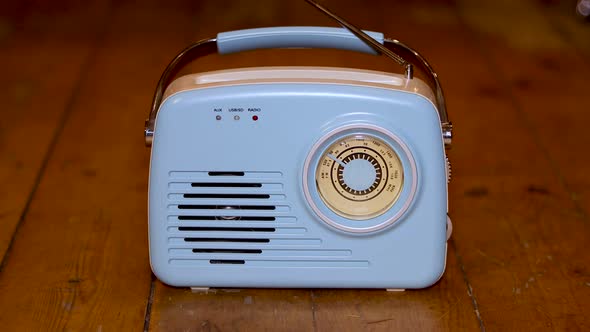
pixel 227 261
pixel 241 196
pixel 220 239
pixel 265 187
pixel 226 208
pixel 179 242
pixel 226 173
pixel 227 251
pixel 226 185
pixel 227 229
pixel 206 174
pixel 221 227
pixel 227 196
pixel 250 218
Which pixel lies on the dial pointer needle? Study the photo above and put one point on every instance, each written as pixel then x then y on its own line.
pixel 337 160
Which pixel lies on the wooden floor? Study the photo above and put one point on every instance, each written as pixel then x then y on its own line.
pixel 76 84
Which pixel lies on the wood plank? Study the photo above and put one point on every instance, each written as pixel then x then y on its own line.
pixel 79 260
pixel 441 307
pixel 521 236
pixel 42 62
pixel 548 65
pixel 231 310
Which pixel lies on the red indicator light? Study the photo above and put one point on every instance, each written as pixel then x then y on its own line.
pixel 255 117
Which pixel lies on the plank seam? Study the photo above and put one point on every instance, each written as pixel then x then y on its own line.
pixel 315 327
pixel 470 291
pixel 148 306
pixel 68 108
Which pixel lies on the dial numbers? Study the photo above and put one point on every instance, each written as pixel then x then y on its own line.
pixel 359 177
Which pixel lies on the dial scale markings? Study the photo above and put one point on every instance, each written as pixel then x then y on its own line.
pixel 359 177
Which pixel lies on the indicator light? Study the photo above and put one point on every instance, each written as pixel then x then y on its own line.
pixel 218 117
pixel 236 117
pixel 255 117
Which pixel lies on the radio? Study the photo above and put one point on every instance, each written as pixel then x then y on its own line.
pixel 291 177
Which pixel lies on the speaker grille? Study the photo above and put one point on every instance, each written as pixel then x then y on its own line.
pixel 241 218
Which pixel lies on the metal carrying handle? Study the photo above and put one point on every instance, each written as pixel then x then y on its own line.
pixel 392 48
pixel 209 46
pixel 294 37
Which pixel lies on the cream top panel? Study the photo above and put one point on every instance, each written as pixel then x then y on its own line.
pixel 327 75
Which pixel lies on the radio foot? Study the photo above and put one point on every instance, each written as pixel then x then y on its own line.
pixel 204 290
pixel 396 289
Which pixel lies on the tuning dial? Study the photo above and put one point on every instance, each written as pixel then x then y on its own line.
pixel 359 176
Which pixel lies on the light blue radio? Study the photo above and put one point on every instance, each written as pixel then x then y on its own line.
pixel 298 176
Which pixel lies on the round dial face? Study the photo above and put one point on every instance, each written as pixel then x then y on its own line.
pixel 359 177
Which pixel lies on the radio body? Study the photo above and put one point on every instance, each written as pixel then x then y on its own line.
pixel 297 176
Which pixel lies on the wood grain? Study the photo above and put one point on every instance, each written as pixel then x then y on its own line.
pixel 42 63
pixel 547 81
pixel 524 250
pixel 176 309
pixel 79 260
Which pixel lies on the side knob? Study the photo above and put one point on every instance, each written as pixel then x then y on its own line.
pixel 448 169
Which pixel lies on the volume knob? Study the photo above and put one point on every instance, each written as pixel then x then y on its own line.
pixel 360 175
